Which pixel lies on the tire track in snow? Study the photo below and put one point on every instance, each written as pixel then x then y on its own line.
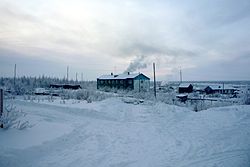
pixel 165 122
pixel 42 155
pixel 217 158
pixel 52 111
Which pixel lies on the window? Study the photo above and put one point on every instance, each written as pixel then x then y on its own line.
pixel 141 81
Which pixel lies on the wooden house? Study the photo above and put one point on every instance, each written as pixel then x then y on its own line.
pixel 185 88
pixel 219 89
pixel 182 97
pixel 138 82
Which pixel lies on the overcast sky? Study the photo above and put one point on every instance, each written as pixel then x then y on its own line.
pixel 207 39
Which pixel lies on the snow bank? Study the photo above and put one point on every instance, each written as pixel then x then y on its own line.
pixel 37 135
pixel 39 130
pixel 116 133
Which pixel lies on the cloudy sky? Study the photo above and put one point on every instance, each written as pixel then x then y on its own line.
pixel 207 39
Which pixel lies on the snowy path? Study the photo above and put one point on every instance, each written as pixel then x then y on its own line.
pixel 112 133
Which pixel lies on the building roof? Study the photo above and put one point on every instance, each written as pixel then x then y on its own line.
pixel 184 85
pixel 219 87
pixel 120 76
pixel 181 95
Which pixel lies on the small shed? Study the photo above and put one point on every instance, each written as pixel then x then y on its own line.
pixel 65 86
pixel 182 97
pixel 41 91
pixel 185 88
pixel 69 86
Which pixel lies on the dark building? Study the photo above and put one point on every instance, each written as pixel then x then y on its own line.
pixel 219 89
pixel 182 97
pixel 139 82
pixel 185 88
pixel 65 86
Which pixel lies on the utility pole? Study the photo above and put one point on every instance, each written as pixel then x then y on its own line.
pixel 76 76
pixel 67 73
pixel 223 88
pixel 154 80
pixel 82 77
pixel 114 70
pixel 14 77
pixel 180 75
pixel 1 102
pixel 1 106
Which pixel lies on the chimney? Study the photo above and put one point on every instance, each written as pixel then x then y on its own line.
pixel 128 73
pixel 111 73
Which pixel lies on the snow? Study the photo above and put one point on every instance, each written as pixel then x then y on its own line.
pixel 40 90
pixel 184 85
pixel 219 87
pixel 120 76
pixel 116 133
pixel 34 136
pixel 181 95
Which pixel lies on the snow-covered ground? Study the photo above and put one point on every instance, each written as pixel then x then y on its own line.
pixel 118 133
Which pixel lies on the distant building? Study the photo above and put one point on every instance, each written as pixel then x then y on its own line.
pixel 165 87
pixel 41 91
pixel 185 88
pixel 65 86
pixel 220 89
pixel 182 97
pixel 138 82
pixel 199 89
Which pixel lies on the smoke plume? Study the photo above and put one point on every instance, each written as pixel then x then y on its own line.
pixel 137 63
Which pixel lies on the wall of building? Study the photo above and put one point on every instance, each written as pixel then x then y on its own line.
pixel 186 90
pixel 117 84
pixel 141 85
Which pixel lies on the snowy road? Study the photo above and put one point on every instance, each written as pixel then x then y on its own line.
pixel 112 133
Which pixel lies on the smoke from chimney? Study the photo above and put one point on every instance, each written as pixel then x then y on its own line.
pixel 137 63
